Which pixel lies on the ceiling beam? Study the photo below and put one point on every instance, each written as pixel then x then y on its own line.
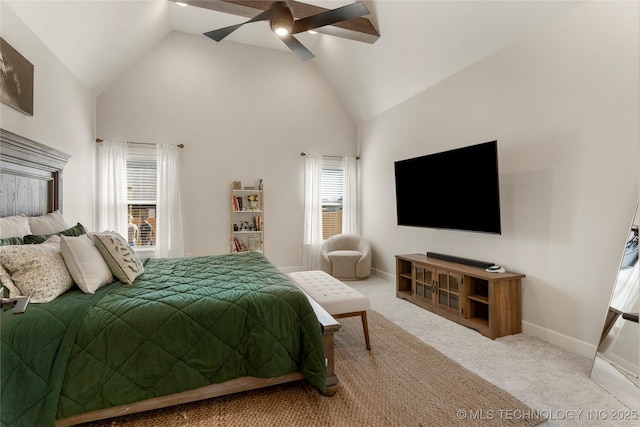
pixel 358 29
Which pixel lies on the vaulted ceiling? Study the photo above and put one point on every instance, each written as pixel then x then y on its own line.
pixel 420 43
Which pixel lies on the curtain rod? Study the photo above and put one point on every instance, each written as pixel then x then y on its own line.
pixel 98 140
pixel 304 154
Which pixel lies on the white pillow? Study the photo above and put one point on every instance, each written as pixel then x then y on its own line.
pixel 47 224
pixel 123 261
pixel 84 262
pixel 37 270
pixel 14 226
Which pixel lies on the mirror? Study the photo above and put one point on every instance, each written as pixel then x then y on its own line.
pixel 616 366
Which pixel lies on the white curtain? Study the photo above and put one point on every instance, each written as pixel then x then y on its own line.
pixel 169 243
pixel 112 187
pixel 312 212
pixel 350 221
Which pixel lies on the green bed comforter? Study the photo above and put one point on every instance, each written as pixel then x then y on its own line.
pixel 183 324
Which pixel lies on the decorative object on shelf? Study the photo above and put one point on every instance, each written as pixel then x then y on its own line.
pixel 253 242
pixel 16 79
pixel 253 201
pixel 260 184
pixel 237 185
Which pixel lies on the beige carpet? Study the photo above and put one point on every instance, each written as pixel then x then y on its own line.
pixel 401 382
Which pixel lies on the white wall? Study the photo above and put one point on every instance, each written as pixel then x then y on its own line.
pixel 63 117
pixel 243 113
pixel 563 105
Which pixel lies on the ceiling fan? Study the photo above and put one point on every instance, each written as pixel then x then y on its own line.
pixel 280 15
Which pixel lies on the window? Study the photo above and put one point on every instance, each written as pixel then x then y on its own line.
pixel 142 196
pixel 332 196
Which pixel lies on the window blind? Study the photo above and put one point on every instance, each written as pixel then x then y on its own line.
pixel 332 194
pixel 141 181
pixel 142 197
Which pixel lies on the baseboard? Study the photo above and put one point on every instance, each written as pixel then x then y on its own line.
pixel 375 272
pixel 623 364
pixel 559 340
pixel 383 275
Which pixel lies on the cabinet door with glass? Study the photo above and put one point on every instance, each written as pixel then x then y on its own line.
pixel 424 283
pixel 449 290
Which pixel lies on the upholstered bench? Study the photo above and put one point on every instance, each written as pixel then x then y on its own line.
pixel 334 296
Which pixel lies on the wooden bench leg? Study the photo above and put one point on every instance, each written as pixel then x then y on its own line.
pixel 365 327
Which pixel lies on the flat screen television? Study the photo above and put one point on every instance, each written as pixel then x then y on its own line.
pixel 456 189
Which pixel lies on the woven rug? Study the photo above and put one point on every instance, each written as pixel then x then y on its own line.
pixel 400 382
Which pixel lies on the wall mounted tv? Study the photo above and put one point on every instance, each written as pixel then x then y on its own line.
pixel 456 189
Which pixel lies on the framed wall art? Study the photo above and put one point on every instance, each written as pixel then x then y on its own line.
pixel 16 79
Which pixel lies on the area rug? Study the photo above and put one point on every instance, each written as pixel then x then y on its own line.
pixel 400 382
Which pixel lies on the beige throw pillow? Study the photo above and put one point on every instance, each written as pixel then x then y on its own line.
pixel 124 263
pixel 47 224
pixel 14 226
pixel 85 263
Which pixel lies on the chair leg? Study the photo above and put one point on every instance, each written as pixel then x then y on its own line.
pixel 365 327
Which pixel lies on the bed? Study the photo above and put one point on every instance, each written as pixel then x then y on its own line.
pixel 185 329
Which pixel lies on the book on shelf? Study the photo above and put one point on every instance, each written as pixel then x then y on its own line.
pixel 257 222
pixel 239 245
pixel 237 203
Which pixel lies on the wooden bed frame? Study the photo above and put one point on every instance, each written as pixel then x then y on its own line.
pixel 31 183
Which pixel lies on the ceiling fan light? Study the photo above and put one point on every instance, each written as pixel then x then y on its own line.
pixel 281 18
pixel 281 28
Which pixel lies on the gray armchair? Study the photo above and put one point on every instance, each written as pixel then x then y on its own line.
pixel 346 256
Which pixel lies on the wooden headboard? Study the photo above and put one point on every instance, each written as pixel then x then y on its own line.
pixel 30 176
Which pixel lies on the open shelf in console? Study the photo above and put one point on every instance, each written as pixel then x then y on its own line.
pixel 404 278
pixel 478 300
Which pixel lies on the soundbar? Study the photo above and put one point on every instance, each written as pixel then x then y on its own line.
pixel 460 260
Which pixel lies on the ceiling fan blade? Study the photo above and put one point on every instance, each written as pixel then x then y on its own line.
pixel 221 33
pixel 329 17
pixel 296 47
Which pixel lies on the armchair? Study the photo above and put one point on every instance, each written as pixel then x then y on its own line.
pixel 346 256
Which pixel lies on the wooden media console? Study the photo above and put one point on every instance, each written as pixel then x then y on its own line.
pixel 487 302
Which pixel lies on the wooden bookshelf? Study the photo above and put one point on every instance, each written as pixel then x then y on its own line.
pixel 247 219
